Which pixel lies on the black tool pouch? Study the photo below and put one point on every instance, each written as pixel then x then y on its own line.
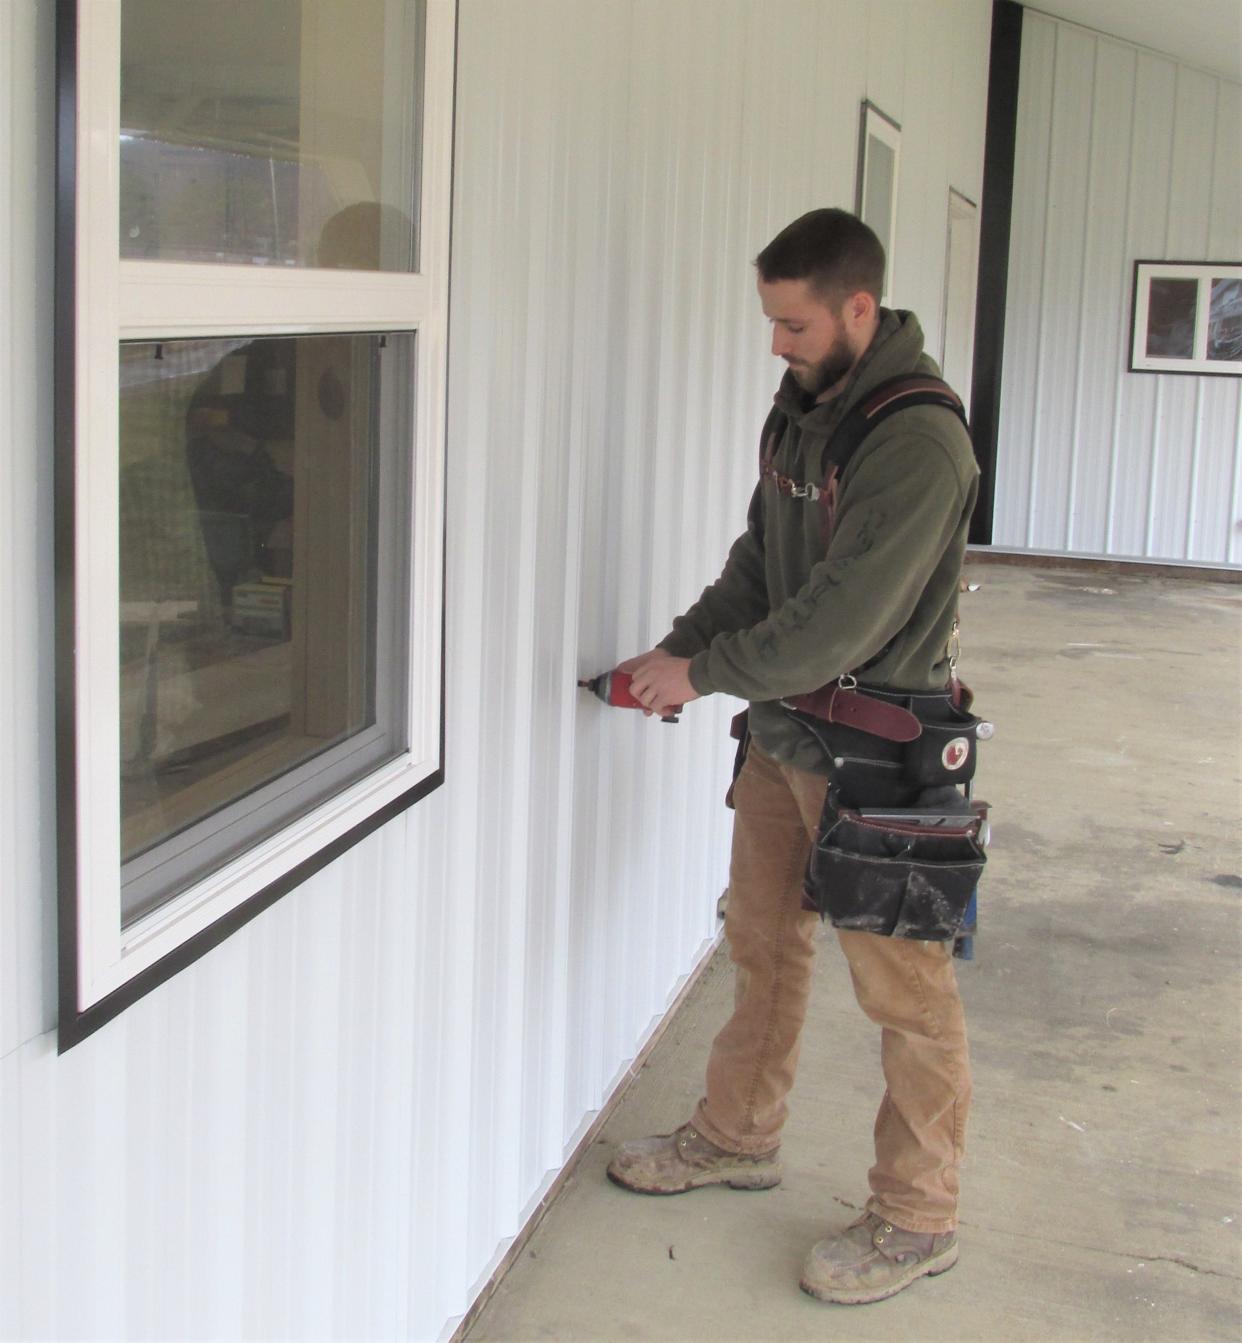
pixel 946 750
pixel 869 770
pixel 907 873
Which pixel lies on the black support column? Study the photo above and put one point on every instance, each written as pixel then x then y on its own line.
pixel 1002 126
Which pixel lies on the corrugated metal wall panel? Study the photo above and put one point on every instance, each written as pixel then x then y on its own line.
pixel 1226 171
pixel 888 27
pixel 1060 313
pixel 1211 529
pixel 332 1124
pixel 27 833
pixel 1104 289
pixel 1119 158
pixel 1146 230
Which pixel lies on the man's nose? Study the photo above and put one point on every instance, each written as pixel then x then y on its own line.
pixel 780 342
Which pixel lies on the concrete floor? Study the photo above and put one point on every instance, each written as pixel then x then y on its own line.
pixel 1101 1197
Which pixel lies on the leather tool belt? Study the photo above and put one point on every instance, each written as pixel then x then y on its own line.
pixel 901 872
pixel 844 704
pixel 891 739
pixel 899 848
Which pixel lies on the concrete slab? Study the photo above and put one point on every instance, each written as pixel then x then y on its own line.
pixel 1102 1197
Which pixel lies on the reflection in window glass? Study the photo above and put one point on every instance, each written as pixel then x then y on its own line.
pixel 1225 321
pixel 285 132
pixel 1171 307
pixel 261 511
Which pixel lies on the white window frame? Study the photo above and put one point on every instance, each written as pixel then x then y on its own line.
pixel 104 300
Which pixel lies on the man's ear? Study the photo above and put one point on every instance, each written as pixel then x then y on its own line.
pixel 860 308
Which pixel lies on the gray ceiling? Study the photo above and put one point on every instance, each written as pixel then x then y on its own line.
pixel 1205 33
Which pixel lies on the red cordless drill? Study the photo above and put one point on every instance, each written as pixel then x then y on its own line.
pixel 613 687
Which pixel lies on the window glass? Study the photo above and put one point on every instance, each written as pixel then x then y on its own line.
pixel 264 507
pixel 285 132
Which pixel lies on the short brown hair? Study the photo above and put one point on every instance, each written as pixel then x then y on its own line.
pixel 832 249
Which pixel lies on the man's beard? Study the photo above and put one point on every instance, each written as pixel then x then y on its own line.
pixel 817 378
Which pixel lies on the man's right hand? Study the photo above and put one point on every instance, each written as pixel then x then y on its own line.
pixel 660 682
pixel 632 665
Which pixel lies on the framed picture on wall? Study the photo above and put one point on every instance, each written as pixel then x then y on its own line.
pixel 875 197
pixel 1187 317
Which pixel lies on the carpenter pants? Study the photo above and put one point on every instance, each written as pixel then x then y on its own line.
pixel 907 987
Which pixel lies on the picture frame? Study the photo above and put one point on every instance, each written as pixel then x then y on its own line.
pixel 875 195
pixel 1186 317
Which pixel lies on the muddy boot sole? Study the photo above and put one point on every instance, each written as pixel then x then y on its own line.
pixel 927 1268
pixel 767 1177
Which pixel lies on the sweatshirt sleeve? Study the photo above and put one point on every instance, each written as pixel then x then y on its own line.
pixel 735 601
pixel 899 510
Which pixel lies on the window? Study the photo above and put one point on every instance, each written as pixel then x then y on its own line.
pixel 879 155
pixel 251 315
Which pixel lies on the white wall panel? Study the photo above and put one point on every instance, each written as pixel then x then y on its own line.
pixel 1121 156
pixel 1138 415
pixel 27 833
pixel 1103 288
pixel 332 1125
pixel 887 31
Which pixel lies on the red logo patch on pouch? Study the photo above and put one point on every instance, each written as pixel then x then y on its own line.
pixel 955 754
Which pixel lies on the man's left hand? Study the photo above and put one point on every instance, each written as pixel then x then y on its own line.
pixel 661 683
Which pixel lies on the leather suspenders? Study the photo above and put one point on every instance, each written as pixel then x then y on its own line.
pixel 839 701
pixel 894 394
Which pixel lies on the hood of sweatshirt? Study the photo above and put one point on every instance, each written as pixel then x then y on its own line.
pixel 896 348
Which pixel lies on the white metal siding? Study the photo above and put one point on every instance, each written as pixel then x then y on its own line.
pixel 332 1124
pixel 27 819
pixel 1122 155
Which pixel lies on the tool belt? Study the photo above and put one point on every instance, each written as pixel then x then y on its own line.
pixel 903 872
pixel 899 848
pixel 885 743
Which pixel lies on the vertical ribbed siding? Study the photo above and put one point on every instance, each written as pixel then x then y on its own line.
pixel 15 490
pixel 1122 155
pixel 27 907
pixel 331 1125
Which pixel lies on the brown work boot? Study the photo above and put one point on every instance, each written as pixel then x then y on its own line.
pixel 676 1162
pixel 872 1259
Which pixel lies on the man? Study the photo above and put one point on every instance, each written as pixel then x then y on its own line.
pixel 793 609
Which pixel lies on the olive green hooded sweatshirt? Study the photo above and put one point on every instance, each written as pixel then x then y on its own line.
pixel 785 616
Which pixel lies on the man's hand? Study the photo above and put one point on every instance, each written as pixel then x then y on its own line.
pixel 659 681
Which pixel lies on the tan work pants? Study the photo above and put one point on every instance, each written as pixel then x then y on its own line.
pixel 907 987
